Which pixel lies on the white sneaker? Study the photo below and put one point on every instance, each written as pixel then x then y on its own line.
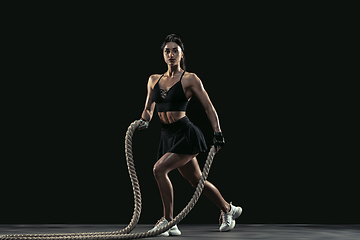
pixel 173 231
pixel 228 219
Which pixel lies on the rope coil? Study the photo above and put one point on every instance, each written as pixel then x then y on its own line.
pixel 125 233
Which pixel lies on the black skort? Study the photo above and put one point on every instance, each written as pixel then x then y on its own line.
pixel 181 137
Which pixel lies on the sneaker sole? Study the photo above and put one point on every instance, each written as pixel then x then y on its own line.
pixel 175 233
pixel 231 227
pixel 164 234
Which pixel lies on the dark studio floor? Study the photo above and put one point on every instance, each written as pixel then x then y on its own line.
pixel 208 232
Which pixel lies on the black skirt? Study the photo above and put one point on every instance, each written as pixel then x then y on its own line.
pixel 181 137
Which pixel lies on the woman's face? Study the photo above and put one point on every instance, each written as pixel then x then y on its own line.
pixel 172 54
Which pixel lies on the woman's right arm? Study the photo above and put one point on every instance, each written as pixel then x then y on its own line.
pixel 147 114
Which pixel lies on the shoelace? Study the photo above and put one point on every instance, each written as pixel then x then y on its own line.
pixel 159 222
pixel 225 218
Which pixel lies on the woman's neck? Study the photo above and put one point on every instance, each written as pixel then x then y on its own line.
pixel 172 70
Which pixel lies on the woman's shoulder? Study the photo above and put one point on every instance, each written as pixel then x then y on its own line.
pixel 191 78
pixel 154 77
pixel 189 74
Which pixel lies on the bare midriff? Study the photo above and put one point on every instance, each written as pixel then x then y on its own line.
pixel 171 117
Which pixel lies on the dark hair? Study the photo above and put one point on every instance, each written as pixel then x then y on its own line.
pixel 176 39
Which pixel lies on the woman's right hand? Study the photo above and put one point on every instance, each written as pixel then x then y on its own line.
pixel 143 125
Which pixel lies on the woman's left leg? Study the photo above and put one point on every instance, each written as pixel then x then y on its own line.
pixel 191 171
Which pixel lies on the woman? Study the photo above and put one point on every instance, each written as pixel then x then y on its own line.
pixel 181 141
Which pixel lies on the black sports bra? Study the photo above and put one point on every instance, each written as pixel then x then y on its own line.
pixel 173 99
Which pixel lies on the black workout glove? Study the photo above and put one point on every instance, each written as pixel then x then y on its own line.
pixel 218 140
pixel 143 125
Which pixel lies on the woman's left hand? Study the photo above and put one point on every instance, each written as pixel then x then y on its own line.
pixel 218 140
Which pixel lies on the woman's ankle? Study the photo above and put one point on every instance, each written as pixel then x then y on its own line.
pixel 227 208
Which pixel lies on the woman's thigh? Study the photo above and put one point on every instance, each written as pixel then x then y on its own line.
pixel 191 171
pixel 170 161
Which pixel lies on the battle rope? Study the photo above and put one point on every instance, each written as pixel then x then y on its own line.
pixel 124 233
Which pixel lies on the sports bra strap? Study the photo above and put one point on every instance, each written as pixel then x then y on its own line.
pixel 182 75
pixel 159 79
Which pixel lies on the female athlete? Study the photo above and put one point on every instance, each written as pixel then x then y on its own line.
pixel 181 141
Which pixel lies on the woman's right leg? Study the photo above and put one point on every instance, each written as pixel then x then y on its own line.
pixel 161 169
pixel 191 171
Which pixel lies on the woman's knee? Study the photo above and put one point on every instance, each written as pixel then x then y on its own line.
pixel 158 170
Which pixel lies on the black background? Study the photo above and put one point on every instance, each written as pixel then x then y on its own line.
pixel 79 79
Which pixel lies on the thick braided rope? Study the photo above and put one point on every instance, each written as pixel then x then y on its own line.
pixel 124 233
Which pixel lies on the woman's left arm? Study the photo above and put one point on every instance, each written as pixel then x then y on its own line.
pixel 199 91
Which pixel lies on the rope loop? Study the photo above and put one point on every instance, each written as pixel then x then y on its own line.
pixel 125 233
